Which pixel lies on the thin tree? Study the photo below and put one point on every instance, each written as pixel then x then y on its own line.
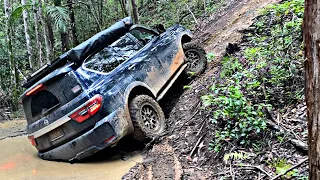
pixel 62 30
pixel 135 11
pixel 72 23
pixel 45 32
pixel 51 36
pixel 50 33
pixel 36 31
pixel 26 33
pixel 14 73
pixel 127 7
pixel 312 67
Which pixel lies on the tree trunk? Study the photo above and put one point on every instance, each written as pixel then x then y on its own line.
pixel 26 33
pixel 311 37
pixel 45 32
pixel 116 9
pixel 127 7
pixel 123 7
pixel 36 31
pixel 13 70
pixel 64 41
pixel 50 34
pixel 51 37
pixel 73 24
pixel 101 12
pixel 135 11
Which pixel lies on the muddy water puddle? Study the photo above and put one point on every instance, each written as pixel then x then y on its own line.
pixel 18 160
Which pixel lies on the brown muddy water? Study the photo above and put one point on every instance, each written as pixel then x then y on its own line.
pixel 18 160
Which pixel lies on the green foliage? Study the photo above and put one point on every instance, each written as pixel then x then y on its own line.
pixel 230 65
pixel 169 13
pixel 213 6
pixel 235 156
pixel 210 57
pixel 59 17
pixel 268 73
pixel 17 13
pixel 285 8
pixel 190 73
pixel 276 53
pixel 239 120
pixel 282 166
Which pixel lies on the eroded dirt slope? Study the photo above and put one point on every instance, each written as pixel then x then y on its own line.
pixel 186 121
pixel 217 33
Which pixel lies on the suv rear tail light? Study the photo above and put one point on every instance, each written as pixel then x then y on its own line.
pixel 32 140
pixel 88 110
pixel 35 89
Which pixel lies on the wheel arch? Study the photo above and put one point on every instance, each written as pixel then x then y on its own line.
pixel 137 88
pixel 185 38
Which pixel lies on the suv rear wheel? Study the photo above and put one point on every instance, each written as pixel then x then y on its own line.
pixel 195 58
pixel 147 117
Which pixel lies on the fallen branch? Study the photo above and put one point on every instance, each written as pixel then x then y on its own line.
pixel 195 147
pixel 288 170
pixel 195 113
pixel 195 20
pixel 299 144
pixel 198 133
pixel 255 167
pixel 294 142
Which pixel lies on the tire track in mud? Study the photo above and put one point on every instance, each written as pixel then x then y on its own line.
pixel 161 163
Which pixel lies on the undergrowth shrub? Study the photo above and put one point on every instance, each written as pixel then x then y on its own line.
pixel 266 73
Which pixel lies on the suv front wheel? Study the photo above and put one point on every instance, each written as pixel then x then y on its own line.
pixel 147 117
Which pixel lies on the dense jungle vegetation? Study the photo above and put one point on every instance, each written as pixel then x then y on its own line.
pixel 35 32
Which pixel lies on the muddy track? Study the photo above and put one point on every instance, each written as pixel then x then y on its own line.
pixel 12 128
pixel 170 158
pixel 162 163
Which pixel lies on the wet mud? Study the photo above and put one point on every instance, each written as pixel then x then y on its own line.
pixel 18 160
pixel 12 128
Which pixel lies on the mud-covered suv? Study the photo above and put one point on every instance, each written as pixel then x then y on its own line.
pixel 106 88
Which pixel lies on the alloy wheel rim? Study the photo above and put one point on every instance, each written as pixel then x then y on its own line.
pixel 193 60
pixel 150 118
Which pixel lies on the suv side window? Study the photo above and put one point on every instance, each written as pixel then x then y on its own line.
pixel 143 35
pixel 127 46
pixel 112 56
pixel 104 61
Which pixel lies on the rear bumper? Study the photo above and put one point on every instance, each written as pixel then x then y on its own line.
pixel 105 133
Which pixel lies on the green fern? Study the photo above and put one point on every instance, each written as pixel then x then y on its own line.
pixel 235 156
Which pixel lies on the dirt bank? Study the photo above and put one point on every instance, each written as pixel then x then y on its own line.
pixel 186 123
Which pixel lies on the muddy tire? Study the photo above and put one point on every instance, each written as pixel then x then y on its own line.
pixel 147 117
pixel 195 58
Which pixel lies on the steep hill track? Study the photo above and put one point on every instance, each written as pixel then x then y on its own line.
pixel 170 158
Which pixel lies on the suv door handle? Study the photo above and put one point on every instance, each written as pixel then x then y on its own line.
pixel 131 67
pixel 153 49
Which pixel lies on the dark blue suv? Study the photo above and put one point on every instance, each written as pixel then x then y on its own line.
pixel 106 88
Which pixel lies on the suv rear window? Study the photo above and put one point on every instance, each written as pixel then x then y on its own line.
pixel 57 93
